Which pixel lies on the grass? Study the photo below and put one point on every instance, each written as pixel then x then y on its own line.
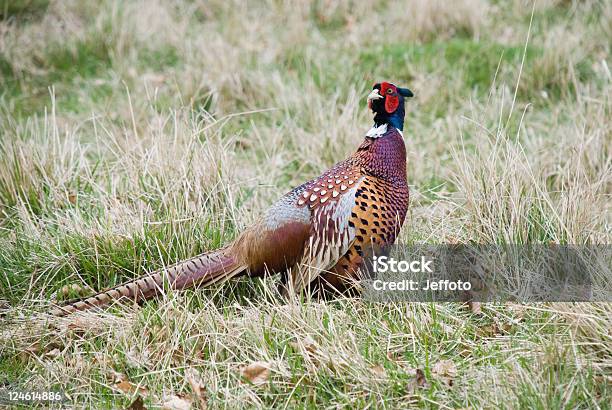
pixel 132 137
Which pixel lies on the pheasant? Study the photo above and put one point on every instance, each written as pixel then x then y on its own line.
pixel 319 235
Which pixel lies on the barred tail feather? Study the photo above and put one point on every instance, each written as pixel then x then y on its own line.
pixel 203 270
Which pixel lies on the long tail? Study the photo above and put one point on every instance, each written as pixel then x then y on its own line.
pixel 203 270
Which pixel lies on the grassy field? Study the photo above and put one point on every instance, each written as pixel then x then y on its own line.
pixel 135 134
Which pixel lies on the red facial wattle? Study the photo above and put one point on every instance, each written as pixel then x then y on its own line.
pixel 389 91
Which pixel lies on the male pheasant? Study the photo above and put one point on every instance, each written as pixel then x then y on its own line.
pixel 319 235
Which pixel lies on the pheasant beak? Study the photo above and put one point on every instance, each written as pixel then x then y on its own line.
pixel 374 95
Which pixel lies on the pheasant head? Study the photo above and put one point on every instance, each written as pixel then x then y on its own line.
pixel 387 103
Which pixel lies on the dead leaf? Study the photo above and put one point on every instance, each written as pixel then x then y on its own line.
pixel 32 349
pixel 488 330
pixel 308 345
pixel 50 350
pixel 398 359
pixel 420 378
pixel 128 387
pixel 53 353
pixel 257 373
pixel 174 402
pixel 379 370
pixel 419 382
pixel 137 404
pixel 197 386
pixel 72 198
pixel 125 386
pixel 496 328
pixel 309 349
pixel 116 377
pixel 475 307
pixel 445 370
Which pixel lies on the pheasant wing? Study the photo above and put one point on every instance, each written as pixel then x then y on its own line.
pixel 331 199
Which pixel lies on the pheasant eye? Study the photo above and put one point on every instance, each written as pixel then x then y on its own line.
pixel 389 91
